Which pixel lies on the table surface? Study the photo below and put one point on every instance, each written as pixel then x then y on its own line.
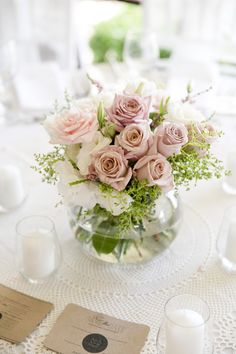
pixel 18 143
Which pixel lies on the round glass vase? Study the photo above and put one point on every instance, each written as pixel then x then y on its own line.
pixel 100 237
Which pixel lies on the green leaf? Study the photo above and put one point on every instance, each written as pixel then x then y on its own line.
pixel 139 89
pixel 109 130
pixel 101 115
pixel 78 182
pixel 103 244
pixel 189 87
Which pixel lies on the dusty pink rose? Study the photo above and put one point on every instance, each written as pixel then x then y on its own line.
pixel 135 139
pixel 204 132
pixel 156 170
pixel 71 126
pixel 127 109
pixel 110 166
pixel 168 139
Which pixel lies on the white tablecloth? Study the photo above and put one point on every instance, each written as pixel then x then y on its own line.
pixel 135 294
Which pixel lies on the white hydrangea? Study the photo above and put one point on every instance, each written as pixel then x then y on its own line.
pixel 83 194
pixel 183 112
pixel 88 194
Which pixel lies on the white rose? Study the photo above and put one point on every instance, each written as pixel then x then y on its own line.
pixel 87 149
pixel 83 194
pixel 183 112
pixel 116 202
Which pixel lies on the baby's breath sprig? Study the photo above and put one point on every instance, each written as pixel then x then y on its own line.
pixel 45 163
pixel 189 167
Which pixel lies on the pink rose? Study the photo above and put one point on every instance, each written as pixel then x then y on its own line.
pixel 72 126
pixel 110 166
pixel 135 139
pixel 199 133
pixel 127 109
pixel 156 170
pixel 168 139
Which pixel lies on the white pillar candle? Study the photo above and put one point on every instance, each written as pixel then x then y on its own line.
pixel 12 191
pixel 230 247
pixel 184 332
pixel 38 254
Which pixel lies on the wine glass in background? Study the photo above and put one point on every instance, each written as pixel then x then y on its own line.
pixel 140 51
pixel 8 67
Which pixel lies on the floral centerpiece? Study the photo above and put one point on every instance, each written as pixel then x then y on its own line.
pixel 119 158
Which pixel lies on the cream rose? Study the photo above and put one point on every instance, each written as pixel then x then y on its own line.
pixel 72 126
pixel 135 139
pixel 168 139
pixel 156 170
pixel 110 166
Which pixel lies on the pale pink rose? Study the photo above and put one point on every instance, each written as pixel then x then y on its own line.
pixel 135 139
pixel 204 132
pixel 168 139
pixel 110 166
pixel 127 109
pixel 72 126
pixel 156 170
pixel 209 132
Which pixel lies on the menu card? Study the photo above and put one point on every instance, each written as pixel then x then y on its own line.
pixel 19 314
pixel 81 331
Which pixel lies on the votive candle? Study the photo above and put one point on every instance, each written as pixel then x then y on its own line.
pixel 38 254
pixel 185 332
pixel 12 191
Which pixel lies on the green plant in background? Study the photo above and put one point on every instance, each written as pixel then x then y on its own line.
pixel 110 35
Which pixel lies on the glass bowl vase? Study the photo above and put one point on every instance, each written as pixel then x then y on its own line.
pixel 99 236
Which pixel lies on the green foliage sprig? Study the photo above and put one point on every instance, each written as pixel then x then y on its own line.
pixel 144 199
pixel 45 163
pixel 189 167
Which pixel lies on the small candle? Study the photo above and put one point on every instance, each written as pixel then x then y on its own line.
pixel 12 191
pixel 230 248
pixel 185 332
pixel 38 253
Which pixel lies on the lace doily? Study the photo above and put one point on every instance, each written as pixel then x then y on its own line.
pixel 225 334
pixel 135 293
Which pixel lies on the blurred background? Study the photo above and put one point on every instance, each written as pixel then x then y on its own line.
pixel 47 46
